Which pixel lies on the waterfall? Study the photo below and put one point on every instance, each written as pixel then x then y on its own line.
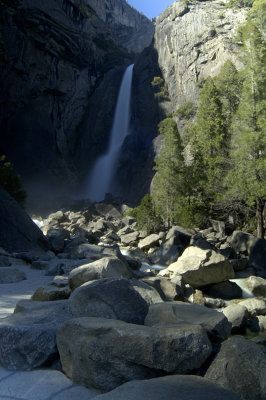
pixel 103 171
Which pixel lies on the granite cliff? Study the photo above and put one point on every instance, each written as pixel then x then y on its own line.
pixel 193 42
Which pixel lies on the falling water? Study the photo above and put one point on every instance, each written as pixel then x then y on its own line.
pixel 104 168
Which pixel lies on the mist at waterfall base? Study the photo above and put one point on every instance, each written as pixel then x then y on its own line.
pixel 101 179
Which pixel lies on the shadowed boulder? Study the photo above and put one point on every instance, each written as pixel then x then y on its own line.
pixel 17 231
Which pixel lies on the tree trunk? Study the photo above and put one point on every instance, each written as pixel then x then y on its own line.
pixel 260 222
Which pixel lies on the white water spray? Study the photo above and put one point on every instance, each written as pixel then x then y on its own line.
pixel 103 171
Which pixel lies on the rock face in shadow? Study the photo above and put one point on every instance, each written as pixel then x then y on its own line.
pixel 17 231
pixel 57 54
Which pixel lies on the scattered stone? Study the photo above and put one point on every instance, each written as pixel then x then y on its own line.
pixel 218 226
pixel 11 275
pixel 224 290
pixel 167 289
pixel 187 387
pixel 200 267
pixel 257 324
pixel 197 297
pixel 242 242
pixel 109 352
pixel 107 267
pixel 42 265
pixel 50 293
pixel 149 241
pixel 130 238
pixel 255 306
pixel 113 298
pixel 167 253
pixel 239 264
pixel 237 315
pixel 241 367
pixel 28 337
pixel 257 257
pixel 176 313
pixel 60 281
pixel 214 303
pixel 256 285
pixel 92 252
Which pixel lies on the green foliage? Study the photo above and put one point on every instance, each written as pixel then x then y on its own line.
pixel 229 83
pixel 160 88
pixel 186 111
pixel 145 215
pixel 239 3
pixel 10 181
pixel 169 182
pixel 258 14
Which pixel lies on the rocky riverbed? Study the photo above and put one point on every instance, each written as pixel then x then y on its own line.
pixel 123 306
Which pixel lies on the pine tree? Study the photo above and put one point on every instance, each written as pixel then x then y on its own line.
pixel 169 182
pixel 208 140
pixel 247 178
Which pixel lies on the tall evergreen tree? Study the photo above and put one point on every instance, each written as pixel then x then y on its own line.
pixel 208 139
pixel 169 182
pixel 247 178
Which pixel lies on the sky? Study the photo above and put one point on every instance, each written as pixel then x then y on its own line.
pixel 150 8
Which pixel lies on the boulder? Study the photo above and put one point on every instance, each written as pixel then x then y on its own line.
pixel 196 297
pixel 110 352
pixel 11 275
pixel 167 289
pixel 188 387
pixel 239 264
pixel 17 231
pixel 28 337
pixel 149 241
pixel 237 315
pixel 257 257
pixel 242 242
pixel 240 366
pixel 256 285
pixel 218 226
pixel 129 238
pixel 200 267
pixel 107 267
pixel 255 306
pixel 40 264
pixel 257 324
pixel 107 210
pixel 92 251
pixel 50 293
pixel 178 313
pixel 224 290
pixel 113 298
pixel 167 253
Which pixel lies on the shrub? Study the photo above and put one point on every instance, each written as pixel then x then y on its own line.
pixel 186 111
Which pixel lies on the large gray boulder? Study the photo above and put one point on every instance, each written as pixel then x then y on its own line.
pixel 200 267
pixel 241 367
pixel 28 337
pixel 11 275
pixel 17 231
pixel 149 241
pixel 178 313
pixel 257 256
pixel 107 267
pixel 171 387
pixel 242 242
pixel 123 299
pixel 109 352
pixel 255 306
pixel 92 252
